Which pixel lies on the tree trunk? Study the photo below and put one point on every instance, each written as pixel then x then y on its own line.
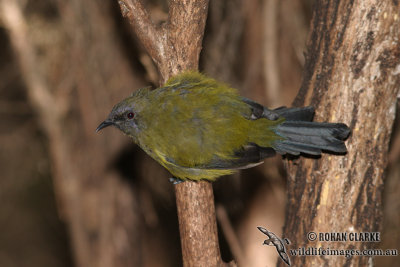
pixel 351 75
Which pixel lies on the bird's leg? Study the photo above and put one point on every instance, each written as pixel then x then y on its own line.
pixel 174 180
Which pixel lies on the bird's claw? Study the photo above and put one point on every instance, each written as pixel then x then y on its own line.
pixel 174 180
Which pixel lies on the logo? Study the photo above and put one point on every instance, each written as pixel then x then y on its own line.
pixel 279 244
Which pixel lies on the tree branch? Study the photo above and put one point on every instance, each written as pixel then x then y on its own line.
pixel 271 59
pixel 185 26
pixel 38 90
pixel 231 237
pixel 176 47
pixel 149 35
pixel 197 224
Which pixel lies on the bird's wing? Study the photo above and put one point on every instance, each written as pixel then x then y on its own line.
pixel 208 127
pixel 284 256
pixel 259 111
pixel 290 114
pixel 251 155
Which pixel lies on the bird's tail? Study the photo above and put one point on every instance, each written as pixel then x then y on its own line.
pixel 300 135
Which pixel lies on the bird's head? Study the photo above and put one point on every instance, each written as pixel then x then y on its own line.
pixel 126 114
pixel 123 116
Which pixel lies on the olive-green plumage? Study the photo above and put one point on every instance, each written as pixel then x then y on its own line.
pixel 199 128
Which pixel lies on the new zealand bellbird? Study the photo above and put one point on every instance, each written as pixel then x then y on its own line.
pixel 199 128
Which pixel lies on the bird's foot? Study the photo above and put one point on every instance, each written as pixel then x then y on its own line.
pixel 174 180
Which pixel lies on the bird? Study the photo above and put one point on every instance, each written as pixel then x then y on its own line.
pixel 279 244
pixel 200 129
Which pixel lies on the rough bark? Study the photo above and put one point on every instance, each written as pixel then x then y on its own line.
pixel 175 46
pixel 352 75
pixel 197 224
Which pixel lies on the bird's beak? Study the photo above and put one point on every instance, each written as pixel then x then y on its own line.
pixel 104 124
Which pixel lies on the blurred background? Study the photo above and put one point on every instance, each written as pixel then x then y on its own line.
pixel 71 197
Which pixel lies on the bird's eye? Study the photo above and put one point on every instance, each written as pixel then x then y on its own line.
pixel 130 115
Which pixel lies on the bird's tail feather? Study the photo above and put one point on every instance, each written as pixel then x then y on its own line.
pixel 310 137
